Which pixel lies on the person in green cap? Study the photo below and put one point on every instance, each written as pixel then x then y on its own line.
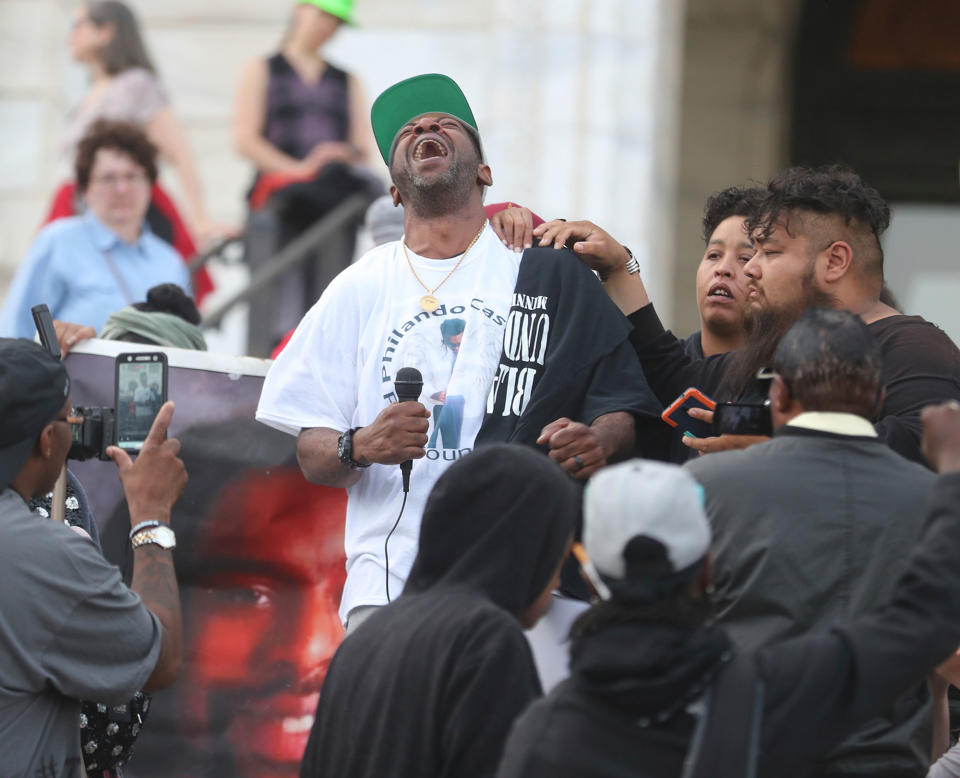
pixel 543 356
pixel 296 112
pixel 301 121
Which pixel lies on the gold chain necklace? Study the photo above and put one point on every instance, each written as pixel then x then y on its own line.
pixel 429 302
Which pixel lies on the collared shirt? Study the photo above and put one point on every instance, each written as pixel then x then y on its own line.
pixel 84 272
pixel 837 423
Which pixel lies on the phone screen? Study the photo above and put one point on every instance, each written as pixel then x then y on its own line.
pixel 141 390
pixel 742 419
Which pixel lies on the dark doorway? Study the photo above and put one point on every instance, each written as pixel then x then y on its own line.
pixel 877 86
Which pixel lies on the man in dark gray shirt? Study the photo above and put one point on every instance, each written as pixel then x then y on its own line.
pixel 69 627
pixel 813 526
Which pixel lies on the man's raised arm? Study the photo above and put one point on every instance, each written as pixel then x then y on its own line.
pixel 601 253
pixel 668 368
pixel 152 484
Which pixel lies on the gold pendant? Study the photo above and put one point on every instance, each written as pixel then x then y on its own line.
pixel 429 303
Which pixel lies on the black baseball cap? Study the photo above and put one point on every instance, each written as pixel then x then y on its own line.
pixel 33 387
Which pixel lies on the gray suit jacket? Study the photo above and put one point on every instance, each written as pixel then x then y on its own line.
pixel 813 528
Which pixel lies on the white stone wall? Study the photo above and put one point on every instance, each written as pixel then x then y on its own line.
pixel 734 117
pixel 576 99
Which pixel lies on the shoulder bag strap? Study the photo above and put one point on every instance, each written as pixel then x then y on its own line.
pixel 726 740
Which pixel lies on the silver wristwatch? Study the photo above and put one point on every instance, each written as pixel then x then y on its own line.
pixel 161 536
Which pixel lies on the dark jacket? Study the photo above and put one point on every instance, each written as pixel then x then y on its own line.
pixel 612 716
pixel 921 366
pixel 429 685
pixel 819 538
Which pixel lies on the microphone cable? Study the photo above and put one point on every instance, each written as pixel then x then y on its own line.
pixel 386 553
pixel 408 384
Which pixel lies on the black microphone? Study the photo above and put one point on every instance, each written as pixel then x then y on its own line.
pixel 408 385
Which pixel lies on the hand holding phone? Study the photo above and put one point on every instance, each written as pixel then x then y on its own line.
pixel 141 390
pixel 677 413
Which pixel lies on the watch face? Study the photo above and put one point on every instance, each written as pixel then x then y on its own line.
pixel 343 454
pixel 165 536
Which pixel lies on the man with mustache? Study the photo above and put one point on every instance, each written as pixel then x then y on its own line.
pixel 817 240
pixel 542 358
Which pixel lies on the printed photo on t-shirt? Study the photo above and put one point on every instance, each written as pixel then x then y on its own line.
pixel 456 350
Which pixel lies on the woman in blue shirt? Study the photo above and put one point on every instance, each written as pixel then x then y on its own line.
pixel 85 267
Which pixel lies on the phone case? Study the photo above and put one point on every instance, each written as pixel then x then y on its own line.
pixel 676 413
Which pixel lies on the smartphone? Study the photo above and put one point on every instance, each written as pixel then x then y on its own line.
pixel 141 388
pixel 43 321
pixel 676 413
pixel 742 419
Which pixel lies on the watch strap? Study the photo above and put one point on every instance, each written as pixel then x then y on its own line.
pixel 345 452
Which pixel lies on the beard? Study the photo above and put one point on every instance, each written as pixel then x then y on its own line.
pixel 764 329
pixel 436 196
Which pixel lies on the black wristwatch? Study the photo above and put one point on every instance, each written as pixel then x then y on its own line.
pixel 345 450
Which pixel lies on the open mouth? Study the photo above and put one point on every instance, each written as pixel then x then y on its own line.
pixel 719 291
pixel 428 149
pixel 275 731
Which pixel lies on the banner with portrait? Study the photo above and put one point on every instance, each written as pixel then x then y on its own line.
pixel 260 564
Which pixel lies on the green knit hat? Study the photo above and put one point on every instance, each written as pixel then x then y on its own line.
pixel 429 93
pixel 342 9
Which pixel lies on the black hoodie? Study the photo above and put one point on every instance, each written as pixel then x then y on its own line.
pixel 429 685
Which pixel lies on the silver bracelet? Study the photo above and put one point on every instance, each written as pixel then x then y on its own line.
pixel 142 526
pixel 632 266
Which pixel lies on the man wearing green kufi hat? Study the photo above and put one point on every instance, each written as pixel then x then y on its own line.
pixel 543 360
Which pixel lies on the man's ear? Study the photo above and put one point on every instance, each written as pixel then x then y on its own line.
pixel 395 195
pixel 839 256
pixel 780 399
pixel 484 176
pixel 44 445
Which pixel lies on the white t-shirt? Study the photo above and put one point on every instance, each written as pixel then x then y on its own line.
pixel 338 369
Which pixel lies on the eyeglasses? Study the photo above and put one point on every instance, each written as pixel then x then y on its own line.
pixel 112 180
